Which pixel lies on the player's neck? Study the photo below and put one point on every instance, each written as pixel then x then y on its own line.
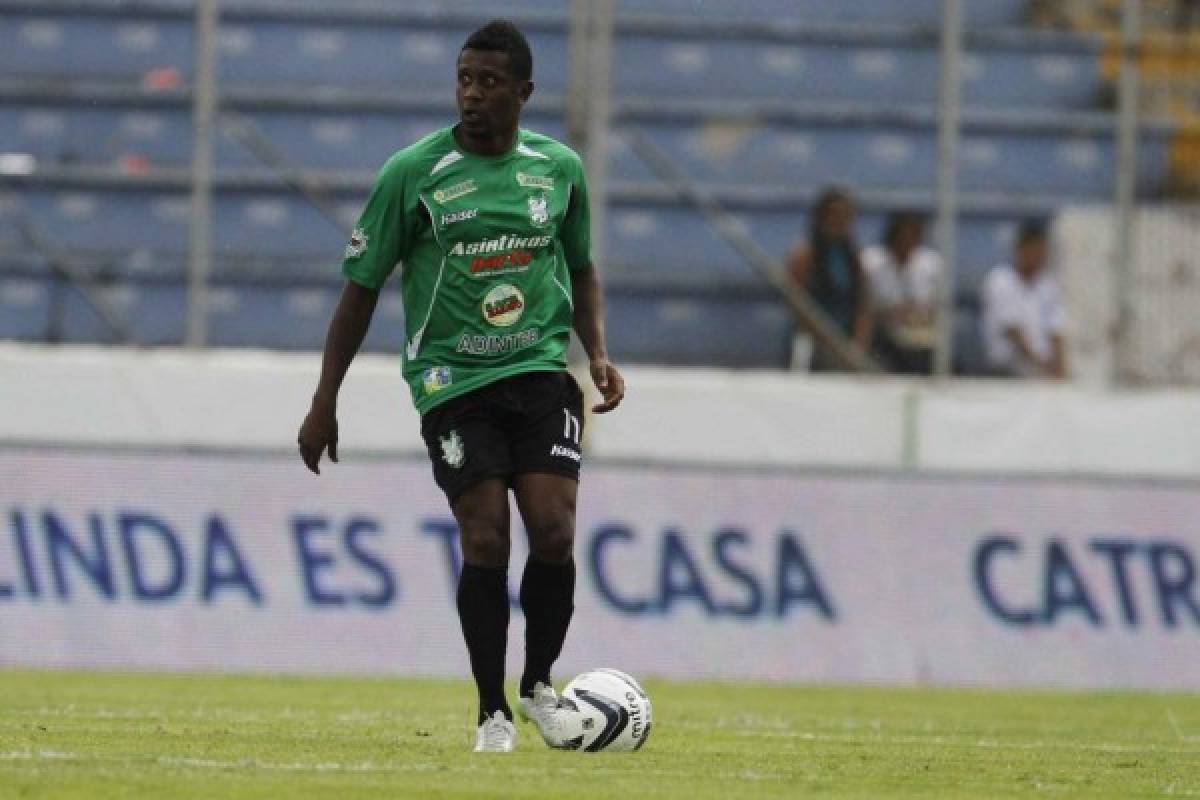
pixel 495 144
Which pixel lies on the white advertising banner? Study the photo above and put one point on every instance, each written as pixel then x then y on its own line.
pixel 247 562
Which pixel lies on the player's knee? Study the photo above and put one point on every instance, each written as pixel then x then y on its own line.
pixel 484 534
pixel 485 545
pixel 553 540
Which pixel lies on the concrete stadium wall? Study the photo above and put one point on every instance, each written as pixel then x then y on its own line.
pixel 736 526
pixel 247 400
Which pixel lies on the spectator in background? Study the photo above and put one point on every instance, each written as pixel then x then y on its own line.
pixel 1023 315
pixel 903 276
pixel 829 268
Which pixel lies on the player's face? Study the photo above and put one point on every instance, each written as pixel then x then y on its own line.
pixel 489 96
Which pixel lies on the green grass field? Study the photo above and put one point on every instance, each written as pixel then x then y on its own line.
pixel 100 736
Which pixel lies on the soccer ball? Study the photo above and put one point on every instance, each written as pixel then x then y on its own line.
pixel 613 712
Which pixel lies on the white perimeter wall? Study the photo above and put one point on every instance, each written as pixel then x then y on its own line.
pixel 254 400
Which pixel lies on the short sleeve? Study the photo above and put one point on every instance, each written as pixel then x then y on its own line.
pixel 1056 312
pixel 1002 302
pixel 383 234
pixel 575 232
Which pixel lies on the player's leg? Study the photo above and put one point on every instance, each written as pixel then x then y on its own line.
pixel 547 506
pixel 471 464
pixel 483 609
pixel 546 459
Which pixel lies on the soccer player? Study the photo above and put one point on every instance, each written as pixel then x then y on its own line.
pixel 492 225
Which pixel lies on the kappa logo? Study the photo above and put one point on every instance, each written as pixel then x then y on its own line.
pixel 456 191
pixel 539 212
pixel 535 181
pixel 358 243
pixel 459 216
pixel 566 452
pixel 453 452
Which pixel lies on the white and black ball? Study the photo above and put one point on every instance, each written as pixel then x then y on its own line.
pixel 613 712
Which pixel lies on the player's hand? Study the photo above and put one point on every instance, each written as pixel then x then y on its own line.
pixel 320 430
pixel 610 383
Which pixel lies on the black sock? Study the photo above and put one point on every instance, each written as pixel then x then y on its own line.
pixel 483 611
pixel 548 599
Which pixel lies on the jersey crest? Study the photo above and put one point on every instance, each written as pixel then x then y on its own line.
pixel 539 213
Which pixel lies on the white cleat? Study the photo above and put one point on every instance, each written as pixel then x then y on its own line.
pixel 545 710
pixel 496 735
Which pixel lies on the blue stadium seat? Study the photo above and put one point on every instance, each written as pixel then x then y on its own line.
pixel 401 59
pixel 356 55
pixel 24 308
pixel 293 317
pixel 703 67
pixel 980 13
pixel 969 355
pixel 125 47
pixel 1051 161
pixel 156 314
pixel 719 330
pixel 277 317
pixel 95 135
pixel 358 140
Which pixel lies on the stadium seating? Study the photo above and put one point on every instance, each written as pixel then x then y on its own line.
pixel 761 102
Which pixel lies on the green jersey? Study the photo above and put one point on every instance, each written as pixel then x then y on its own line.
pixel 487 245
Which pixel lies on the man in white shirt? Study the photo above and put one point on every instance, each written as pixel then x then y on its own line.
pixel 903 275
pixel 1023 315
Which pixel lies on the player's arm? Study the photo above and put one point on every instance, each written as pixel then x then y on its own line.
pixel 799 264
pixel 588 300
pixel 864 313
pixel 1058 359
pixel 377 245
pixel 1017 338
pixel 347 330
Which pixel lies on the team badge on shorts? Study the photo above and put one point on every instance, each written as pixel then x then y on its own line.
pixel 539 211
pixel 453 452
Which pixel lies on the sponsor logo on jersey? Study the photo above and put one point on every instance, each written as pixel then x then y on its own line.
pixel 535 181
pixel 436 379
pixel 358 243
pixel 478 344
pixel 503 305
pixel 503 264
pixel 456 191
pixel 539 210
pixel 565 452
pixel 508 241
pixel 453 452
pixel 459 216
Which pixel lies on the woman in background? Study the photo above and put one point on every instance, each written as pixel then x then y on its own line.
pixel 904 275
pixel 829 268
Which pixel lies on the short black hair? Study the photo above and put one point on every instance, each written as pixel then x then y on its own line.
pixel 897 221
pixel 1032 231
pixel 502 36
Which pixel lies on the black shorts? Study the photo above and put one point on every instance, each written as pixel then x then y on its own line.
pixel 526 423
